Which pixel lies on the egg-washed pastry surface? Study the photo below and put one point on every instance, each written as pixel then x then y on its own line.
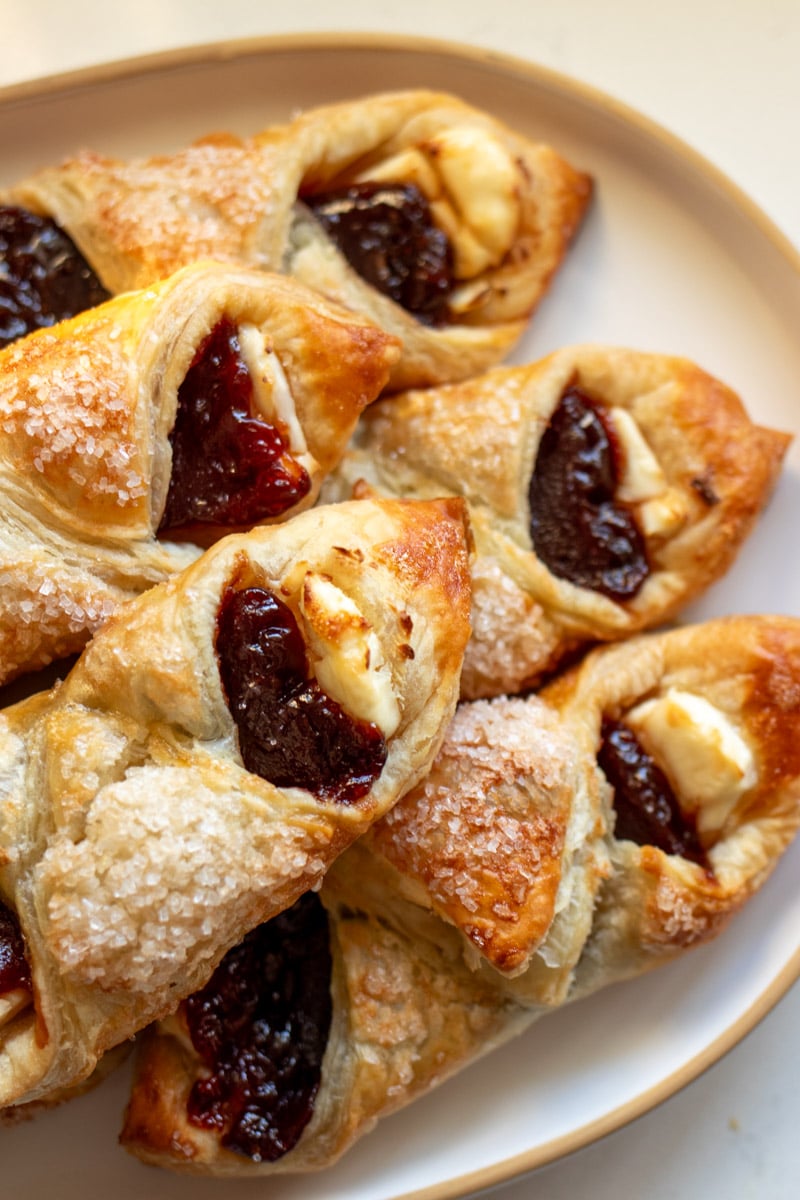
pixel 696 737
pixel 503 839
pixel 647 792
pixel 414 207
pixel 358 1001
pixel 219 743
pixel 346 1017
pixel 213 401
pixel 607 488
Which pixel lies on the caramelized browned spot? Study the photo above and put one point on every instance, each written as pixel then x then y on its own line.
pixel 772 708
pixel 647 811
pixel 230 468
pixel 261 1026
pixel 580 531
pixel 705 490
pixel 290 732
pixel 15 972
pixel 387 234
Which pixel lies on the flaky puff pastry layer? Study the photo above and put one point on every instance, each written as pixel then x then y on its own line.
pixel 511 838
pixel 136 848
pixel 86 410
pixel 398 1030
pixel 726 733
pixel 503 839
pixel 509 207
pixel 406 1014
pixel 695 473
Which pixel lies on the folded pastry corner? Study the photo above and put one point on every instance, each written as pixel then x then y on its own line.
pixel 659 783
pixel 322 1021
pixel 437 219
pixel 222 739
pixel 694 734
pixel 503 840
pixel 215 400
pixel 123 225
pixel 429 215
pixel 607 488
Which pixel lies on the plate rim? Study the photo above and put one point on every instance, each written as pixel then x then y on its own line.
pixel 200 54
pixel 205 54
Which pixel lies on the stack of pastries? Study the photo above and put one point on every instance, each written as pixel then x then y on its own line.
pixel 377 747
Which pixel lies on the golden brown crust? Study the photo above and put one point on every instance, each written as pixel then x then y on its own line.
pixel 407 1013
pixel 138 848
pixel 343 143
pixel 236 200
pixel 156 1122
pixel 137 222
pixel 654 904
pixel 86 410
pixel 697 469
pixel 502 839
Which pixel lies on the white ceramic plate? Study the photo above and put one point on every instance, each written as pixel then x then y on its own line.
pixel 672 258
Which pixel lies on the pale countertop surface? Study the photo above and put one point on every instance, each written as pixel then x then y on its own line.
pixel 722 75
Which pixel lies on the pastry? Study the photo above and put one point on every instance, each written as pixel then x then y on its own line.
pixel 425 213
pixel 327 1018
pixel 357 1001
pixel 220 741
pixel 489 214
pixel 504 840
pixel 215 400
pixel 606 487
pixel 580 836
pixel 695 734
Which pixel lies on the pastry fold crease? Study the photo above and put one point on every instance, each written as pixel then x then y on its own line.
pixel 684 475
pixel 88 411
pixel 151 816
pixel 422 912
pixel 507 226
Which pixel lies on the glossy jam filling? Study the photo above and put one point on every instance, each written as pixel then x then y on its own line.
pixel 229 467
pixel 647 811
pixel 261 1026
pixel 15 973
pixel 290 732
pixel 387 234
pixel 580 531
pixel 43 276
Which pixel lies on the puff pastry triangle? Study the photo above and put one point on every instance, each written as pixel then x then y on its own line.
pixel 607 488
pixel 215 400
pixel 219 743
pixel 397 1004
pixel 484 215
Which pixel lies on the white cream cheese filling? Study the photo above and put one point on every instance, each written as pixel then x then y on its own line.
pixel 706 759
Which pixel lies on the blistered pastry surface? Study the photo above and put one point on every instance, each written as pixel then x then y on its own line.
pixel 137 846
pixel 485 832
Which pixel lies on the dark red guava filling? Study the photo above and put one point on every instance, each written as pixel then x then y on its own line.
pixel 43 276
pixel 580 531
pixel 647 811
pixel 290 732
pixel 387 234
pixel 15 972
pixel 261 1026
pixel 229 467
